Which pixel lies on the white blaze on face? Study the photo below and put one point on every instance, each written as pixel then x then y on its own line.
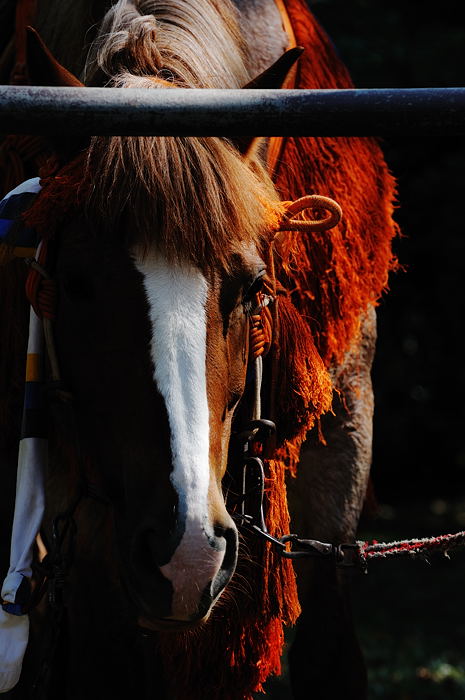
pixel 177 298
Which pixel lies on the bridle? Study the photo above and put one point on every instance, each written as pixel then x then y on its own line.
pixel 256 441
pixel 257 438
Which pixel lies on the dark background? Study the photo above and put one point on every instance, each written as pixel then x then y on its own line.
pixel 410 614
pixel 419 375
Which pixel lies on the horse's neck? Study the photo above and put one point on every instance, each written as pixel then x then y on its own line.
pixel 262 29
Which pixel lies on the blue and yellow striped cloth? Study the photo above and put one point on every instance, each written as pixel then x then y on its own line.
pixel 18 241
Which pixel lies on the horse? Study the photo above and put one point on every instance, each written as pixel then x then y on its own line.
pixel 159 247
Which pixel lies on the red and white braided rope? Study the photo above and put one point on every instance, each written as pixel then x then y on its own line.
pixel 414 547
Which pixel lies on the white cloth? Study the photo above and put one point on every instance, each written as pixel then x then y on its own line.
pixel 29 511
pixel 31 186
pixel 14 632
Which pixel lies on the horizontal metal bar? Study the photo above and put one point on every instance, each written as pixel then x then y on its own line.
pixel 171 112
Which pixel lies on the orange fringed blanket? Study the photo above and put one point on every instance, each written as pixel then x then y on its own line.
pixel 335 275
pixel 332 278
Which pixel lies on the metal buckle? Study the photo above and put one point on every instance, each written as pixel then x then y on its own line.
pixel 345 556
pixel 348 557
pixel 253 488
pixel 247 522
pixel 309 548
pixel 258 439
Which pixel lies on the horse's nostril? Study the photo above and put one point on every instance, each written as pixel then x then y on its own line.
pixel 220 530
pixel 229 541
pixel 230 557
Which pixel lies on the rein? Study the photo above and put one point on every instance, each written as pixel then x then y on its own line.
pixel 350 555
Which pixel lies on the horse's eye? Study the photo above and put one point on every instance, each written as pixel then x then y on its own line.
pixel 255 287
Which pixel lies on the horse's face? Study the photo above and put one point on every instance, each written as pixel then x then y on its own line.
pixel 155 354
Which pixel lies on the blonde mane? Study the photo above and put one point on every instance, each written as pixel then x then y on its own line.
pixel 194 198
pixel 191 42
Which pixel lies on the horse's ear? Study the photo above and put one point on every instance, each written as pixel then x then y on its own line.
pixel 43 68
pixel 274 77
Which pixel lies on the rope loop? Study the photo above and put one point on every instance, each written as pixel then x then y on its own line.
pixel 316 203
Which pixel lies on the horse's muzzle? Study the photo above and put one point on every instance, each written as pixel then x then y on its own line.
pixel 183 590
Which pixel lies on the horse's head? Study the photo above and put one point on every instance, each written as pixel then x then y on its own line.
pixel 154 278
pixel 155 353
